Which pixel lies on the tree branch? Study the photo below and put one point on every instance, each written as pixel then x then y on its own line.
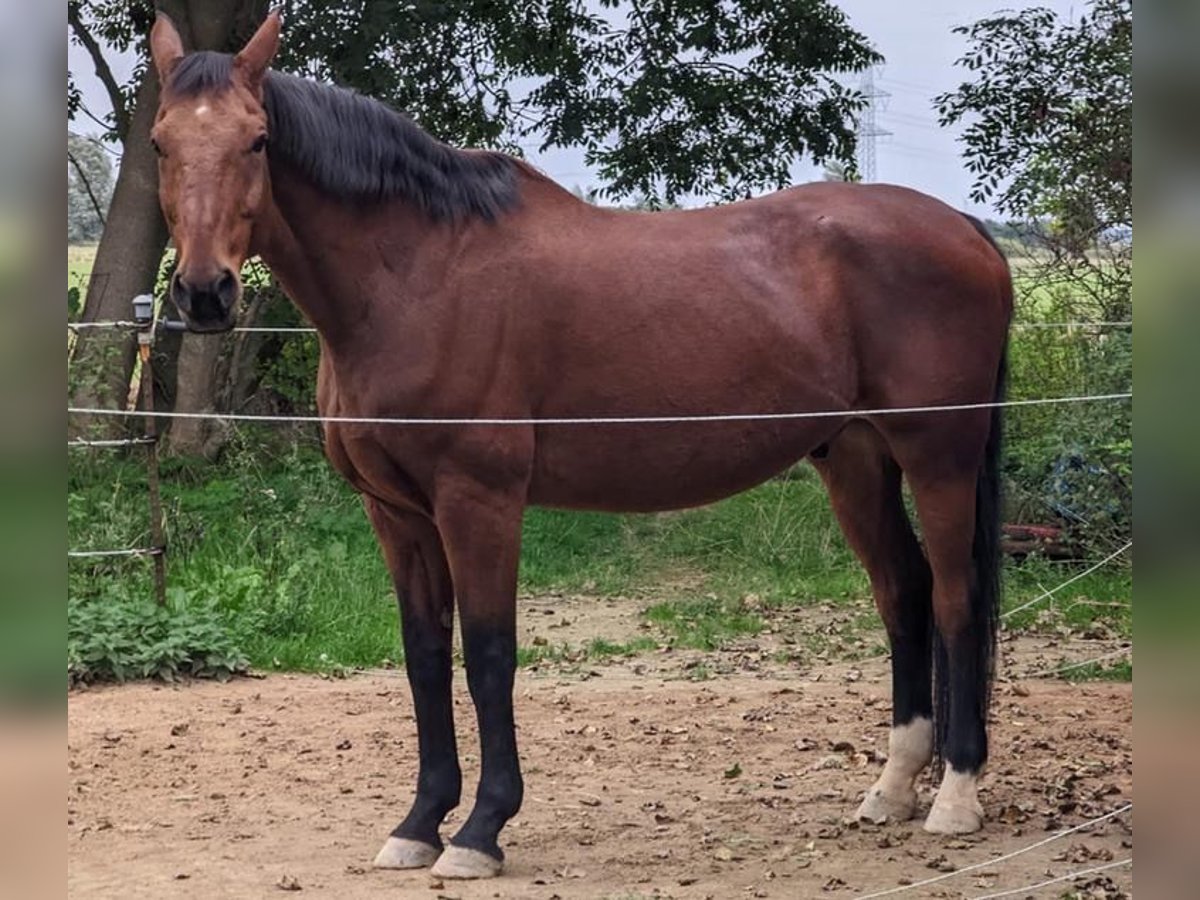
pixel 95 118
pixel 103 71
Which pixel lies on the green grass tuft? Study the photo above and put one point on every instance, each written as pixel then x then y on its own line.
pixel 703 624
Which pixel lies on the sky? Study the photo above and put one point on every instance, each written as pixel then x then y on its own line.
pixel 916 40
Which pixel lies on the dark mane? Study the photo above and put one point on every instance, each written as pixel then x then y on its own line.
pixel 356 148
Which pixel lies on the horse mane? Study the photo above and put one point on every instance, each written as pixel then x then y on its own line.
pixel 355 148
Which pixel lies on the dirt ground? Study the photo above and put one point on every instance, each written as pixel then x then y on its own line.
pixel 641 781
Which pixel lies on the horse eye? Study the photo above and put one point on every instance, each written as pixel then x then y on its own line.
pixel 260 144
pixel 157 149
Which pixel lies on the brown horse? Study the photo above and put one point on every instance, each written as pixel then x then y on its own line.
pixel 461 284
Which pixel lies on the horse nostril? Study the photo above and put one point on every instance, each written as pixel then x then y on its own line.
pixel 226 288
pixel 181 293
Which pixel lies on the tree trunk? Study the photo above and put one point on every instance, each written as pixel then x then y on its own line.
pixel 126 265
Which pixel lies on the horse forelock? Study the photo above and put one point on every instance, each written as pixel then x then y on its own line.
pixel 356 148
pixel 201 72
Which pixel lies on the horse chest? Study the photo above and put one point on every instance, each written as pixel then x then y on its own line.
pixel 373 470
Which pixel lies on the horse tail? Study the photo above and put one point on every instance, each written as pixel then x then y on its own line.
pixel 984 597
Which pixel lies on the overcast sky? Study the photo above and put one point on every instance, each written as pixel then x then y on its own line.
pixel 915 39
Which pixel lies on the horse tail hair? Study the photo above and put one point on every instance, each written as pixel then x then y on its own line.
pixel 985 595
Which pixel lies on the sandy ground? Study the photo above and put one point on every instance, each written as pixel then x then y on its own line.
pixel 640 782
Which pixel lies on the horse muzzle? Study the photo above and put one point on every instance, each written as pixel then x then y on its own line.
pixel 207 304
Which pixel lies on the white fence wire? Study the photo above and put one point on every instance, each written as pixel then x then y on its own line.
pixel 266 329
pixel 1046 595
pixel 129 551
pixel 601 420
pixel 1070 876
pixel 116 442
pixel 1081 664
pixel 996 860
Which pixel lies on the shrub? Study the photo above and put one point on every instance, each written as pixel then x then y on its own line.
pixel 118 639
pixel 1070 463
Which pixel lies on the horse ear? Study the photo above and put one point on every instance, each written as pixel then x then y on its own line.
pixel 166 47
pixel 256 56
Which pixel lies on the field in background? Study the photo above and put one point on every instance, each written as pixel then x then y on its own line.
pixel 80 258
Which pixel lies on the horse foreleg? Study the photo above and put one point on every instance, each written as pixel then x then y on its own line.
pixel 482 533
pixel 414 556
pixel 863 482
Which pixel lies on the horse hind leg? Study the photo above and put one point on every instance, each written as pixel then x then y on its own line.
pixel 952 470
pixel 863 482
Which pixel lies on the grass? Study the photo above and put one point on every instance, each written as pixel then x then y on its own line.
pixel 1103 597
pixel 281 549
pixel 80 258
pixel 1120 671
pixel 296 568
pixel 703 624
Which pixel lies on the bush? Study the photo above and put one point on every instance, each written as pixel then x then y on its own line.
pixel 118 639
pixel 1072 464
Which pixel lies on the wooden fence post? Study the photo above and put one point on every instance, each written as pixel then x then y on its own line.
pixel 143 314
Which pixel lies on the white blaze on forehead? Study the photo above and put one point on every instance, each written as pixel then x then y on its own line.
pixel 202 109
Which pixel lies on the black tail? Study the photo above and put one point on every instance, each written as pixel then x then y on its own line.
pixel 985 585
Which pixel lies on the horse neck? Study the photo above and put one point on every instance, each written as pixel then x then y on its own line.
pixel 335 259
pixel 328 254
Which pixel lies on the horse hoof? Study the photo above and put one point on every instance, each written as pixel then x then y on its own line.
pixel 880 808
pixel 462 862
pixel 956 808
pixel 405 853
pixel 954 818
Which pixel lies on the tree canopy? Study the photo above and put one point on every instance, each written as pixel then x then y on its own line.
pixel 1050 117
pixel 89 187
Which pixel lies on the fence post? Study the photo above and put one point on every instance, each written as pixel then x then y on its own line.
pixel 143 315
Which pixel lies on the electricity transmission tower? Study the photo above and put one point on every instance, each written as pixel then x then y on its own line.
pixel 867 128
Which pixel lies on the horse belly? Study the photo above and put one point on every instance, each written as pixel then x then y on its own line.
pixel 651 468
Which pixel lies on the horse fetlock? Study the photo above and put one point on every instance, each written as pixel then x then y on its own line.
pixel 500 798
pixel 433 805
pixel 466 863
pixel 910 748
pixel 440 795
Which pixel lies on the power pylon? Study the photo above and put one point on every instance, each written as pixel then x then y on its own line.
pixel 867 129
